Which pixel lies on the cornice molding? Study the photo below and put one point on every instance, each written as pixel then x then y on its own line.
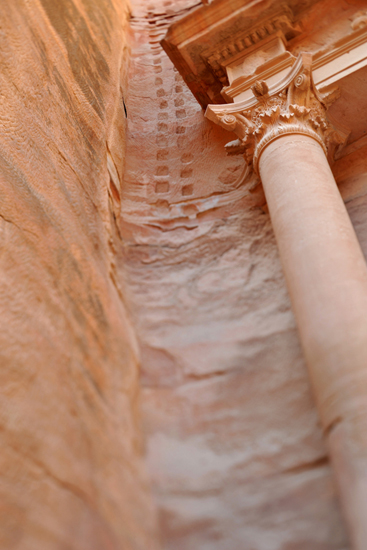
pixel 220 38
pixel 248 40
pixel 344 56
pixel 245 41
pixel 265 72
pixel 329 65
pixel 201 44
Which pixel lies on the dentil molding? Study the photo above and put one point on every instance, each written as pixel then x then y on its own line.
pixel 223 47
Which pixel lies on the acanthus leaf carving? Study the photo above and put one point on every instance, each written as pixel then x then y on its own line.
pixel 260 89
pixel 293 106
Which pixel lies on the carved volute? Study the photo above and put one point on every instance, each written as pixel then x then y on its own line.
pixel 292 106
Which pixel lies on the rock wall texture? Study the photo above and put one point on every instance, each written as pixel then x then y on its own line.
pixel 233 442
pixel 71 474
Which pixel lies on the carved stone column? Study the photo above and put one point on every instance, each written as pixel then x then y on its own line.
pixel 284 132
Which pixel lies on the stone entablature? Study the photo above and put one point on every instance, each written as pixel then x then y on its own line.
pixel 204 44
pixel 271 34
pixel 345 57
pixel 221 52
pixel 254 57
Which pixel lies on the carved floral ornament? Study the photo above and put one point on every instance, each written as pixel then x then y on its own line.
pixel 292 106
pixel 359 21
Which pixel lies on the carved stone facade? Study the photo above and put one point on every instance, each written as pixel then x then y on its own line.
pixel 293 106
pixel 243 43
pixel 280 118
pixel 155 291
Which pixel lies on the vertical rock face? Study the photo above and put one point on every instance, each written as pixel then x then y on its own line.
pixel 71 472
pixel 234 446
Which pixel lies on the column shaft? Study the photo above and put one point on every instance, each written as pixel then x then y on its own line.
pixel 327 280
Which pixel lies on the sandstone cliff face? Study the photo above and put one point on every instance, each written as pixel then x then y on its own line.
pixel 71 472
pixel 233 445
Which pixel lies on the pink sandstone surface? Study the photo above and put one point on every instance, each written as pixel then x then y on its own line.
pixel 233 442
pixel 71 474
pixel 187 282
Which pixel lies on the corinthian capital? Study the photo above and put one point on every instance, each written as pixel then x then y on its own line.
pixel 292 106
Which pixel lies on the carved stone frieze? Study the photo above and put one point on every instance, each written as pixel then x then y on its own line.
pixel 223 47
pixel 292 106
pixel 237 45
pixel 210 44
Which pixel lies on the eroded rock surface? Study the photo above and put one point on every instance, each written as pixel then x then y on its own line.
pixel 71 469
pixel 234 446
pixel 232 440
